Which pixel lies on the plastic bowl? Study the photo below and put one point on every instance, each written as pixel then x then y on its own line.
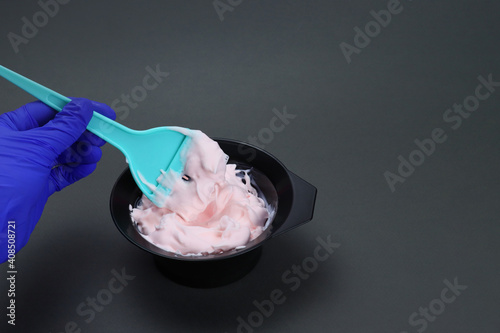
pixel 291 196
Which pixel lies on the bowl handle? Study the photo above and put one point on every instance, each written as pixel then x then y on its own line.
pixel 304 197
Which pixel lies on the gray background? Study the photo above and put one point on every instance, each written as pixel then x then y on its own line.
pixel 352 122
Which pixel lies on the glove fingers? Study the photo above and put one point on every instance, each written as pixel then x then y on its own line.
pixel 67 126
pixel 104 109
pixel 92 138
pixel 80 152
pixel 37 114
pixel 65 175
pixel 31 115
pixel 40 113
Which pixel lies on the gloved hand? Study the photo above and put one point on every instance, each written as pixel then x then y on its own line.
pixel 41 152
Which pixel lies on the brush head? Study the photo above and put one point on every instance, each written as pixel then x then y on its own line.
pixel 156 159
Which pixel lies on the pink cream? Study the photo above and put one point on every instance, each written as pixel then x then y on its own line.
pixel 212 211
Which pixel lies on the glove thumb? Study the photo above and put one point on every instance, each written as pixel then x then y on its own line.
pixel 67 126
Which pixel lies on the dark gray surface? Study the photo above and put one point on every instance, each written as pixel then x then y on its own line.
pixel 352 121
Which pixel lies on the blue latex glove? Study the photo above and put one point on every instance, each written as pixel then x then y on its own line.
pixel 41 152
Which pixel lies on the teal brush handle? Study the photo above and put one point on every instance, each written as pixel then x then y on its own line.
pixel 105 128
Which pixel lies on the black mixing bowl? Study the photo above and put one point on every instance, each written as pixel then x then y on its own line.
pixel 291 197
